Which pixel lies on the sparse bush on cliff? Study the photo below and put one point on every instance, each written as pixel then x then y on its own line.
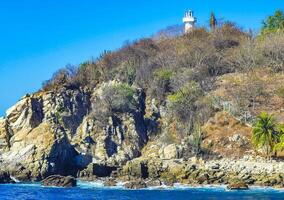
pixel 183 103
pixel 161 83
pixel 272 47
pixel 63 77
pixel 119 98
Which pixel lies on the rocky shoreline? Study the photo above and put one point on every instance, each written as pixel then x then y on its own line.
pixel 61 133
pixel 141 173
pixel 236 174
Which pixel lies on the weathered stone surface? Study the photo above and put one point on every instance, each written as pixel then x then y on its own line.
pixel 110 182
pixel 153 183
pixel 137 168
pixel 60 181
pixel 135 184
pixel 170 152
pixel 55 132
pixel 238 186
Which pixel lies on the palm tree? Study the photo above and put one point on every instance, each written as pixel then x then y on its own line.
pixel 265 135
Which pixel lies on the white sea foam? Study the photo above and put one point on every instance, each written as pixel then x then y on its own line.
pixel 99 185
pixel 14 179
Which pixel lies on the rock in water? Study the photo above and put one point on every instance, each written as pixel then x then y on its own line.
pixel 110 183
pixel 238 186
pixel 153 183
pixel 135 185
pixel 60 181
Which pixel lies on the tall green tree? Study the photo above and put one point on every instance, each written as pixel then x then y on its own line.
pixel 213 21
pixel 273 23
pixel 265 134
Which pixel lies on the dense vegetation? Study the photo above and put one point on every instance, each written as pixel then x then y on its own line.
pixel 179 71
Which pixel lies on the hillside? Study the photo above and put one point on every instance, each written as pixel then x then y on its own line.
pixel 163 101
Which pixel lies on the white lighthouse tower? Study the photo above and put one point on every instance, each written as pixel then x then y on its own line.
pixel 189 21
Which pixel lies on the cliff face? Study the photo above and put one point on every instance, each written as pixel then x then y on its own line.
pixel 58 133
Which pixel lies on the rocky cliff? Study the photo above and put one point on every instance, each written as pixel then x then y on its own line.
pixel 116 131
pixel 58 132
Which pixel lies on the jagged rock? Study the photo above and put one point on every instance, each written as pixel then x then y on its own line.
pixel 116 140
pixel 202 178
pixel 153 183
pixel 37 138
pixel 135 184
pixel 136 168
pixel 170 152
pixel 60 181
pixel 110 182
pixel 240 185
pixel 56 132
pixel 5 135
pixel 19 173
pixel 155 168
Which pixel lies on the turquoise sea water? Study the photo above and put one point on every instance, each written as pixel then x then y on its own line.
pixel 88 191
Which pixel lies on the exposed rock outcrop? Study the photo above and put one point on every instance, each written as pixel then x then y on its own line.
pixel 60 181
pixel 240 185
pixel 138 184
pixel 59 133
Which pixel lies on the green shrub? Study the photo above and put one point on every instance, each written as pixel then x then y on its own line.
pixel 163 74
pixel 119 98
pixel 161 83
pixel 183 103
pixel 273 23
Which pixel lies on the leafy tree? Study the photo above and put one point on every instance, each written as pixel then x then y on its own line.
pixel 265 134
pixel 213 21
pixel 274 23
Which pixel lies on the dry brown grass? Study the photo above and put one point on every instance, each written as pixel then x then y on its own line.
pixel 219 129
pixel 271 103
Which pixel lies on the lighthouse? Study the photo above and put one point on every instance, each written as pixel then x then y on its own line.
pixel 189 21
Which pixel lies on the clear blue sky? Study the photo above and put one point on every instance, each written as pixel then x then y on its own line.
pixel 37 37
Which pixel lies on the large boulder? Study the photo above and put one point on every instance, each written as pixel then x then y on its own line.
pixel 110 182
pixel 136 184
pixel 170 152
pixel 239 185
pixel 60 181
pixel 153 183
